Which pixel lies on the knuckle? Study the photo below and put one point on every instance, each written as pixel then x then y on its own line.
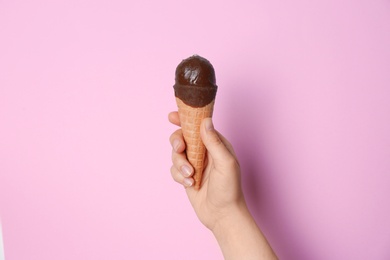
pixel 174 174
pixel 175 135
pixel 175 158
pixel 214 139
pixel 232 162
pixel 173 170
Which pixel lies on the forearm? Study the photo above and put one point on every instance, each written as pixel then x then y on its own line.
pixel 240 238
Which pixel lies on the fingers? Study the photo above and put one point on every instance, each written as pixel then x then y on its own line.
pixel 179 178
pixel 177 141
pixel 179 160
pixel 217 146
pixel 173 117
pixel 181 169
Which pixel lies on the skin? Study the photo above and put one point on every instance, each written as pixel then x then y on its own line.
pixel 219 204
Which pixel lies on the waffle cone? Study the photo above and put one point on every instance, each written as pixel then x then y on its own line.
pixel 190 119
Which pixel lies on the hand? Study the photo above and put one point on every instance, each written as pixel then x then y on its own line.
pixel 219 203
pixel 220 193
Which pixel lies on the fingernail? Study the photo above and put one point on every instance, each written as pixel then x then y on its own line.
pixel 209 124
pixel 186 171
pixel 188 182
pixel 176 144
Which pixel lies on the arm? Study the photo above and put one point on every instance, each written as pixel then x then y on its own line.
pixel 239 237
pixel 220 203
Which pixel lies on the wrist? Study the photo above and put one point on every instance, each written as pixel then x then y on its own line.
pixel 239 236
pixel 231 218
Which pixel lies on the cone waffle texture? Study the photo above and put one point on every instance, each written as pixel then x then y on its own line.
pixel 190 120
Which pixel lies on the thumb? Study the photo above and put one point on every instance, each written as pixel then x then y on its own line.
pixel 214 144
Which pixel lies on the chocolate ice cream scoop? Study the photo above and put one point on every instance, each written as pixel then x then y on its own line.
pixel 195 81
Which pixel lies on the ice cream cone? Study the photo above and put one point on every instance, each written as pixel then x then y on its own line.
pixel 190 119
pixel 195 92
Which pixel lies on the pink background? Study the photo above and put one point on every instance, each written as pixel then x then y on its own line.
pixel 85 88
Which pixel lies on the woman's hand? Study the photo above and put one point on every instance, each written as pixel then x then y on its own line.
pixel 220 193
pixel 219 203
